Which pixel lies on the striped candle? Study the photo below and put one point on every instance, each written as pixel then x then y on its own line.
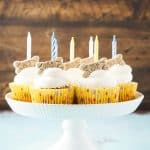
pixel 54 47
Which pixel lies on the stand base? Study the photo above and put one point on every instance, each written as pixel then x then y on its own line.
pixel 74 137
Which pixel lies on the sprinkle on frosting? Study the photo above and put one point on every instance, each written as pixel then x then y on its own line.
pixel 72 64
pixel 20 65
pixel 89 68
pixel 116 60
pixel 50 64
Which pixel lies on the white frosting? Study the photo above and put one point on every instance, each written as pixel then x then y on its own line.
pixel 99 73
pixel 51 78
pixel 26 76
pixel 88 82
pixel 97 79
pixel 74 75
pixel 122 73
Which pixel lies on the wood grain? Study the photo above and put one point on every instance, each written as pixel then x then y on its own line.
pixel 128 19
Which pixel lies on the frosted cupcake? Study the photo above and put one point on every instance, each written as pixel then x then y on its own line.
pixel 123 76
pixel 25 73
pixel 100 87
pixel 74 73
pixel 52 87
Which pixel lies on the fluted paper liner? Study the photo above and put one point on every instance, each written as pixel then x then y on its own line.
pixel 97 95
pixel 53 96
pixel 127 91
pixel 20 92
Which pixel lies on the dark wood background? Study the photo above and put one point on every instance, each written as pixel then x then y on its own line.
pixel 128 19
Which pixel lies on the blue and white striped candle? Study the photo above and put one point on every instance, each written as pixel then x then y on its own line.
pixel 54 47
pixel 114 46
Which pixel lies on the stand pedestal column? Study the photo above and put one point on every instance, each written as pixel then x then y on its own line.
pixel 74 137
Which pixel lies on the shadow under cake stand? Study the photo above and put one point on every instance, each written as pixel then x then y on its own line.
pixel 74 118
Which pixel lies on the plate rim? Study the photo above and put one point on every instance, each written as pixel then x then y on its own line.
pixel 139 97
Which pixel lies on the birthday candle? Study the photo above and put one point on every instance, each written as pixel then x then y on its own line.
pixel 29 50
pixel 114 46
pixel 54 47
pixel 91 47
pixel 96 49
pixel 72 49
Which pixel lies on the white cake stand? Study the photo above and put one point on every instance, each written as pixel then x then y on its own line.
pixel 74 116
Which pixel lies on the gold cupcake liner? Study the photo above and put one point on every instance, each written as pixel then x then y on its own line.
pixel 82 95
pixel 97 95
pixel 75 93
pixel 20 92
pixel 53 96
pixel 127 91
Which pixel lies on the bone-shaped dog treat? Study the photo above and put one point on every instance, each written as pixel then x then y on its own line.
pixel 89 68
pixel 59 59
pixel 87 60
pixel 43 65
pixel 59 62
pixel 49 64
pixel 72 64
pixel 118 59
pixel 20 65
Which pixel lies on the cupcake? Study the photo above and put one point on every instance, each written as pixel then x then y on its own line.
pixel 25 73
pixel 52 87
pixel 74 73
pixel 123 76
pixel 20 87
pixel 100 87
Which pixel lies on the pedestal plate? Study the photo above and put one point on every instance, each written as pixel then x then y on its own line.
pixel 74 118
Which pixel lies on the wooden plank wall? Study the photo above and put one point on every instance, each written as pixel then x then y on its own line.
pixel 129 20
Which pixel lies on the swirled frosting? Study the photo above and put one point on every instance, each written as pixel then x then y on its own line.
pixel 97 79
pixel 122 73
pixel 74 75
pixel 104 78
pixel 88 82
pixel 26 76
pixel 51 78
